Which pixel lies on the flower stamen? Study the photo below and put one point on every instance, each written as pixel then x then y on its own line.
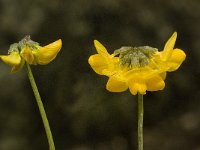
pixel 135 57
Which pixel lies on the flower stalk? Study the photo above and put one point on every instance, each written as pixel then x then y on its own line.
pixel 41 108
pixel 140 121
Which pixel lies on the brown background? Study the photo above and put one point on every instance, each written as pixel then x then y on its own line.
pixel 82 114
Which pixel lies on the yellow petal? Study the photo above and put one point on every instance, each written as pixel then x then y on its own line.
pixel 101 49
pixel 155 83
pixel 176 59
pixel 98 63
pixel 18 67
pixel 44 55
pixel 163 75
pixel 169 47
pixel 114 84
pixel 13 59
pixel 27 54
pixel 144 72
pixel 137 84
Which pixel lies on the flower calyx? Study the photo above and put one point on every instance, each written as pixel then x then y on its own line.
pixel 25 42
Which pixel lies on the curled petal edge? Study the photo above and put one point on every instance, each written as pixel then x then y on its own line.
pixel 46 54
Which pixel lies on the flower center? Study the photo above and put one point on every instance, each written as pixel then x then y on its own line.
pixel 25 42
pixel 135 56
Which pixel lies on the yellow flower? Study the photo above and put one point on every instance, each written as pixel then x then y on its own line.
pixel 30 52
pixel 138 69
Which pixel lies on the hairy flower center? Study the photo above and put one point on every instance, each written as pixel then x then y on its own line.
pixel 135 56
pixel 25 42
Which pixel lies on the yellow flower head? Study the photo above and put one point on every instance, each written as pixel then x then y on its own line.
pixel 30 52
pixel 138 69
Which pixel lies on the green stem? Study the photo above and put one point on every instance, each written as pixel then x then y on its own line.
pixel 41 108
pixel 140 121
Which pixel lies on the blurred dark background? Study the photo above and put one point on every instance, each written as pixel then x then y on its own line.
pixel 82 114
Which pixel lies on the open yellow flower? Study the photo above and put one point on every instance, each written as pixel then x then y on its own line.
pixel 30 52
pixel 138 69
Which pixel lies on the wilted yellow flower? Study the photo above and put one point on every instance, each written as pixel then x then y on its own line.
pixel 138 69
pixel 31 52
